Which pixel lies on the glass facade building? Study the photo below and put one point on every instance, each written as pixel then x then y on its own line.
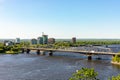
pixel 40 40
pixel 45 39
pixel 17 40
pixel 33 41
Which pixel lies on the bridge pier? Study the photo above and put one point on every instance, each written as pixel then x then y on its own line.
pixel 28 51
pixel 38 52
pixel 89 57
pixel 50 53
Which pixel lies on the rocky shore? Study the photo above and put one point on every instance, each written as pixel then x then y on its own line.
pixel 117 63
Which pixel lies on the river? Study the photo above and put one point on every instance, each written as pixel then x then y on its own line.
pixel 60 66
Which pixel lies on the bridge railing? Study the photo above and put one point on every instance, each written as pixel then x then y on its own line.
pixel 81 49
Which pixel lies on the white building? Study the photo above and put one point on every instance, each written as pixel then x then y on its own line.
pixel 8 43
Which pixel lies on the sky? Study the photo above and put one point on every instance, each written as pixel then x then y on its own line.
pixel 63 19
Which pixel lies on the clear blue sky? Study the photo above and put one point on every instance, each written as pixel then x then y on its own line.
pixel 60 18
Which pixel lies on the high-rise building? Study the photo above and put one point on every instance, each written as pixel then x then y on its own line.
pixel 40 40
pixel 51 40
pixel 17 40
pixel 33 41
pixel 45 39
pixel 74 40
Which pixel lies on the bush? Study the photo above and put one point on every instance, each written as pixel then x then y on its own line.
pixel 2 51
pixel 115 77
pixel 15 49
pixel 116 58
pixel 84 74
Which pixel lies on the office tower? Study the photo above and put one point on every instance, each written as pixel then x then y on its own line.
pixel 40 40
pixel 74 40
pixel 45 39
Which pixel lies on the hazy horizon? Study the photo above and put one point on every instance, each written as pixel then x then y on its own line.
pixel 64 38
pixel 26 19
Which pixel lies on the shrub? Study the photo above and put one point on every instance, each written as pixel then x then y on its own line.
pixel 116 58
pixel 115 77
pixel 2 51
pixel 85 74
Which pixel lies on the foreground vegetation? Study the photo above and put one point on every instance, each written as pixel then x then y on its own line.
pixel 116 59
pixel 64 44
pixel 84 74
pixel 115 77
pixel 89 74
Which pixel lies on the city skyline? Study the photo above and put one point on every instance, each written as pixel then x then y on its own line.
pixel 61 19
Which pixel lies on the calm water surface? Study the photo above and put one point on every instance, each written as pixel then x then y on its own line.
pixel 60 66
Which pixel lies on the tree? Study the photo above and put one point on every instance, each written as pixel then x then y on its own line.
pixel 116 58
pixel 115 77
pixel 84 74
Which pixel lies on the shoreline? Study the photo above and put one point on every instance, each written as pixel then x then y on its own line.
pixel 115 63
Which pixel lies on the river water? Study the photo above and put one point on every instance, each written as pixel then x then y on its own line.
pixel 60 66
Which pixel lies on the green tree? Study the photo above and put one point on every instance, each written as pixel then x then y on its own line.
pixel 115 77
pixel 85 74
pixel 116 58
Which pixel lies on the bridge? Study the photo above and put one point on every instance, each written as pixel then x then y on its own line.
pixel 88 53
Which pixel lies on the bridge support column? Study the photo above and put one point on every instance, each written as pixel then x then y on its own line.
pixel 42 52
pixel 28 51
pixel 38 52
pixel 50 53
pixel 89 57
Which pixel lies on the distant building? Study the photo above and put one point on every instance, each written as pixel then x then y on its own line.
pixel 33 41
pixel 8 43
pixel 17 40
pixel 40 40
pixel 51 40
pixel 74 40
pixel 45 39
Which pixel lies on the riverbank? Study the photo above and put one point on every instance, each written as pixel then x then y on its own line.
pixel 117 63
pixel 12 52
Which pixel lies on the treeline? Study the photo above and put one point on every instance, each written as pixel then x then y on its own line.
pixel 116 58
pixel 84 43
pixel 64 44
pixel 98 42
pixel 12 49
pixel 88 42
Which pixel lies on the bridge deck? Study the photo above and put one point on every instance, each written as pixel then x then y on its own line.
pixel 75 51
